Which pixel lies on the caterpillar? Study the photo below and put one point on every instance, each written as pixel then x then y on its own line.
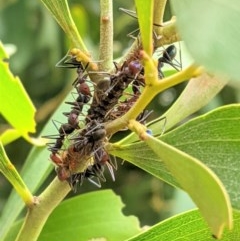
pixel 79 153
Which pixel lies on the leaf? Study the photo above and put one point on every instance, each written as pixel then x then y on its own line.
pixel 187 226
pixel 93 215
pixel 12 175
pixel 97 214
pixel 212 138
pixel 15 104
pixel 9 136
pixel 213 39
pixel 60 11
pixel 199 182
pixel 198 92
pixel 145 19
pixel 81 18
pixel 35 171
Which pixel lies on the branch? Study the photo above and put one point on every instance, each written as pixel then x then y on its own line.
pixel 152 88
pixel 37 215
pixel 168 35
pixel 158 11
pixel 106 36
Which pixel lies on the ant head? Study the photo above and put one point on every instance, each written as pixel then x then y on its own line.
pixel 99 134
pixel 73 118
pixel 104 83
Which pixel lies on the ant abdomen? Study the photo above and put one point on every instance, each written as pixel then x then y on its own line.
pixel 170 53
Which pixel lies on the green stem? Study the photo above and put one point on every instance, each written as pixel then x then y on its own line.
pixel 149 92
pixel 168 33
pixel 38 214
pixel 186 74
pixel 138 128
pixel 106 36
pixel 158 11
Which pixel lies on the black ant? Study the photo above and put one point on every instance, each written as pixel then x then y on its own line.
pixel 84 96
pixel 167 58
pixel 63 131
pixel 89 137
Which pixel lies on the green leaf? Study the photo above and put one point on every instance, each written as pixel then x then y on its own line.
pixel 12 175
pixel 199 91
pixel 187 226
pixel 9 136
pixel 212 138
pixel 209 29
pixel 60 11
pixel 145 19
pixel 93 215
pixel 199 182
pixel 15 104
pixel 35 171
pixel 81 18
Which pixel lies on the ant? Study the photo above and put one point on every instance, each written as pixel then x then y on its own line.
pixel 167 58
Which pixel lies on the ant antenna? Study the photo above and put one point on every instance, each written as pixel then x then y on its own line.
pixel 134 15
pixel 68 62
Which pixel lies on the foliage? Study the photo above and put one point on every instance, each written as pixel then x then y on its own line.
pixel 200 156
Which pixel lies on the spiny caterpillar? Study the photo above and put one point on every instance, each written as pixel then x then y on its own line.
pixel 79 152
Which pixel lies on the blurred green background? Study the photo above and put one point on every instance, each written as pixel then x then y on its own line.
pixel 28 27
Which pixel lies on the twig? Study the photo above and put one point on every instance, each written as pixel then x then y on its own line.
pixel 158 11
pixel 37 215
pixel 106 36
pixel 149 92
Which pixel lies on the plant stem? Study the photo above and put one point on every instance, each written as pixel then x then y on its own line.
pixel 106 36
pixel 158 12
pixel 138 128
pixel 168 33
pixel 149 92
pixel 186 74
pixel 38 214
